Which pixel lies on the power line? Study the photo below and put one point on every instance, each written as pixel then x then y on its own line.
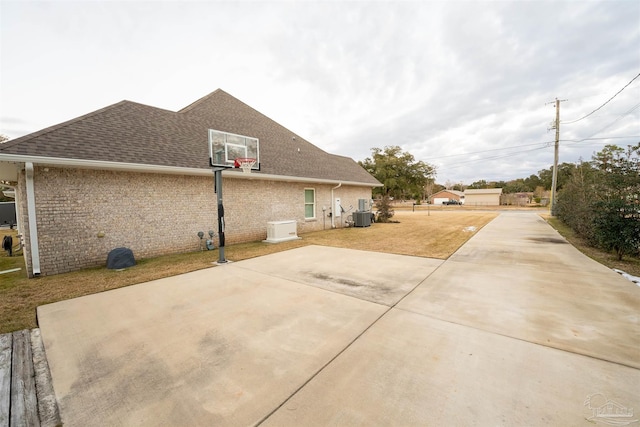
pixel 487 151
pixel 496 157
pixel 459 164
pixel 617 93
pixel 613 122
pixel 599 138
pixel 506 155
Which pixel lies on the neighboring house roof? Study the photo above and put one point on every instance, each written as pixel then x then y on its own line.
pixel 484 191
pixel 454 192
pixel 132 133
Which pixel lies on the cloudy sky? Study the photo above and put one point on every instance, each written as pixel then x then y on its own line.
pixel 463 85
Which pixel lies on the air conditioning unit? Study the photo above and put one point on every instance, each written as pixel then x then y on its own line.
pixel 365 205
pixel 282 231
pixel 361 219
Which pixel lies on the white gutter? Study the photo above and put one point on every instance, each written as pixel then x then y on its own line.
pixel 142 168
pixel 333 205
pixel 33 227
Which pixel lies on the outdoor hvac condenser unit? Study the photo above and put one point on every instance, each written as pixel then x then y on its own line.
pixel 361 219
pixel 281 231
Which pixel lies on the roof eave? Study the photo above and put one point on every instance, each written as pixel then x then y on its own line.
pixel 174 170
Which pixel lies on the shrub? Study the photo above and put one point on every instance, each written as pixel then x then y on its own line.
pixel 384 209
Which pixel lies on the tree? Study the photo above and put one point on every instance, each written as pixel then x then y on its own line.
pixel 601 200
pixel 430 188
pixel 3 138
pixel 574 204
pixel 617 209
pixel 539 193
pixel 515 186
pixel 533 182
pixel 564 172
pixel 480 185
pixel 402 176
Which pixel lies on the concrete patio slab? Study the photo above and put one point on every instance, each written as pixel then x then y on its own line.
pixel 372 276
pixel 412 370
pixel 524 239
pixel 218 346
pixel 596 315
pixel 564 300
pixel 516 328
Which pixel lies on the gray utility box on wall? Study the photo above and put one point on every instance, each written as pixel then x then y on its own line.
pixel 361 219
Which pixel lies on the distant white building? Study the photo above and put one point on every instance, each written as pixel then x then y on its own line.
pixel 483 197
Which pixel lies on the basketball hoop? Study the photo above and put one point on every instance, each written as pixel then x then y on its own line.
pixel 245 163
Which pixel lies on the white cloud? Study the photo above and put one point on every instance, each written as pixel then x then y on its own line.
pixel 437 78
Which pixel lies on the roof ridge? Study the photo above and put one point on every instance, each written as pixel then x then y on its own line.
pixel 202 100
pixel 199 101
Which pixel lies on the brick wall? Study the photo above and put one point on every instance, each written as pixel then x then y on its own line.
pixel 155 214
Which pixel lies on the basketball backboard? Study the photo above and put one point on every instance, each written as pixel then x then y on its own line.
pixel 225 148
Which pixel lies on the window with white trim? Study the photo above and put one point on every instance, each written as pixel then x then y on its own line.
pixel 309 203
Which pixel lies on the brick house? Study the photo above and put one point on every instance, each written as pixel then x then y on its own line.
pixel 446 195
pixel 138 176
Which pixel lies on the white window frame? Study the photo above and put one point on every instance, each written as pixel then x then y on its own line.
pixel 313 204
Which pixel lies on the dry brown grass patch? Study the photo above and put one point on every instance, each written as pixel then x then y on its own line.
pixel 430 235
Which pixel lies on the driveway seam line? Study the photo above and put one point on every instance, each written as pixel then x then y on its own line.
pixel 322 368
pixel 330 361
pixel 515 338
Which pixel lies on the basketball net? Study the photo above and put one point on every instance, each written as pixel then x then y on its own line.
pixel 245 164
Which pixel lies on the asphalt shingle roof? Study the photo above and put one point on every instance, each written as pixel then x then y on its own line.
pixel 128 132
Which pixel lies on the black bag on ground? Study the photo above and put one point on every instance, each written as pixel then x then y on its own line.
pixel 120 258
pixel 7 244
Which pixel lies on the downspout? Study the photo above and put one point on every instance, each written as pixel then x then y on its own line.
pixel 33 227
pixel 333 207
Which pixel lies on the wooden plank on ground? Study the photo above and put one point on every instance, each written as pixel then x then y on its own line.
pixel 47 403
pixel 6 341
pixel 24 404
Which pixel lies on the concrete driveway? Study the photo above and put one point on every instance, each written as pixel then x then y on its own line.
pixel 516 328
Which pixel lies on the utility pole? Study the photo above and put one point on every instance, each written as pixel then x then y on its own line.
pixel 554 179
pixel 218 189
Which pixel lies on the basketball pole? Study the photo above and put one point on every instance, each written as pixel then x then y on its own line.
pixel 218 190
